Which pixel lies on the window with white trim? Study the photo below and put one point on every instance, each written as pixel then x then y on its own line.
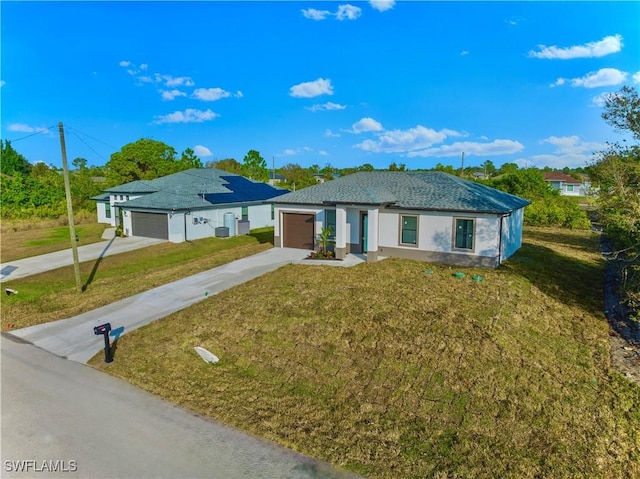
pixel 330 221
pixel 409 230
pixel 464 233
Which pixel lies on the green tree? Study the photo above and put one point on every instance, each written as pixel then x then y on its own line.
pixel 144 159
pixel 228 164
pixel 366 167
pixel 189 159
pixel 507 168
pixel 11 161
pixel 617 173
pixel 394 167
pixel 446 169
pixel 488 168
pixel 296 176
pixel 255 167
pixel 79 163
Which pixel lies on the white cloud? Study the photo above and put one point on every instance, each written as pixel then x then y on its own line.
pixel 190 115
pixel 329 134
pixel 569 151
pixel 311 89
pixel 494 148
pixel 559 82
pixel 314 14
pixel 327 106
pixel 603 77
pixel 606 46
pixel 2 83
pixel 599 100
pixel 170 81
pixel 323 153
pixel 144 66
pixel 171 94
pixel 636 78
pixel 125 63
pixel 382 5
pixel 239 94
pixel 210 94
pixel 464 53
pixel 24 128
pixel 288 152
pixel 348 12
pixel 402 141
pixel 202 151
pixel 366 124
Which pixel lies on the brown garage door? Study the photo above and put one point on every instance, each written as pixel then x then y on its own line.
pixel 150 225
pixel 298 230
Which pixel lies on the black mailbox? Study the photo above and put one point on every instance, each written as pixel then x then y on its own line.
pixel 102 329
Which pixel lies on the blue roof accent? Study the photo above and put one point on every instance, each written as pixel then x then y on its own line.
pixel 243 190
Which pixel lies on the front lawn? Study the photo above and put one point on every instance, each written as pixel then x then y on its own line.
pixel 401 369
pixel 52 295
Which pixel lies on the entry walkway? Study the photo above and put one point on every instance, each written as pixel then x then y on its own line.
pixel 73 338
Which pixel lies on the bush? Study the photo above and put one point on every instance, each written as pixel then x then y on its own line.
pixel 556 211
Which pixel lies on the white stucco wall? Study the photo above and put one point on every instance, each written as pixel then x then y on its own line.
pixel 101 208
pixel 512 233
pixel 435 232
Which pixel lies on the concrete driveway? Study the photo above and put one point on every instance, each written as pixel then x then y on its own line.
pixel 73 338
pixel 46 262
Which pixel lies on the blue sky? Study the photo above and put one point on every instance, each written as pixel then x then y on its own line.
pixel 340 83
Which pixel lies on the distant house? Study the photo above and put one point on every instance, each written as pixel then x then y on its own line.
pixel 275 178
pixel 189 205
pixel 566 184
pixel 429 216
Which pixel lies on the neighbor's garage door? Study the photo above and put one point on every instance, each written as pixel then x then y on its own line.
pixel 298 230
pixel 150 225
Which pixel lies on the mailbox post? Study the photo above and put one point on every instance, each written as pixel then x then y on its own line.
pixel 104 330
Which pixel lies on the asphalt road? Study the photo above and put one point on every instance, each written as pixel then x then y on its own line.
pixel 73 421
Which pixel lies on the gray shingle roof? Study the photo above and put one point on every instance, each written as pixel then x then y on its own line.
pixel 433 190
pixel 183 190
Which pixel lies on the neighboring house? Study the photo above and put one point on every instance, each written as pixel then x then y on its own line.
pixel 189 205
pixel 565 184
pixel 429 216
pixel 275 178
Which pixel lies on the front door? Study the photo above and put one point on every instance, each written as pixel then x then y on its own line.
pixel 364 231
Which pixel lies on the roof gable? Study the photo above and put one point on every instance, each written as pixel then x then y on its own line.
pixel 432 190
pixel 560 176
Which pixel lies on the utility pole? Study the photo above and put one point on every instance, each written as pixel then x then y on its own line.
pixel 72 229
pixel 462 166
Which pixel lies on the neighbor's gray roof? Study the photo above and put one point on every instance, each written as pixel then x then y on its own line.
pixel 179 191
pixel 433 190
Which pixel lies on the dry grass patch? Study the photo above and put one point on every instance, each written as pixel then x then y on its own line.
pixel 392 372
pixel 23 239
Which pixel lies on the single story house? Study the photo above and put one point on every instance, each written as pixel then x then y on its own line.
pixel 565 184
pixel 189 205
pixel 429 216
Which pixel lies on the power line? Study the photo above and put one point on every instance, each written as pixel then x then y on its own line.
pixel 33 134
pixel 88 146
pixel 89 136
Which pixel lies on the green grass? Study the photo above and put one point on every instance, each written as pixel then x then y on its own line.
pixel 52 295
pixel 27 242
pixel 392 372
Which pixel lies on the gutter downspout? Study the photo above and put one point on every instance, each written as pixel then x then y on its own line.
pixel 500 239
